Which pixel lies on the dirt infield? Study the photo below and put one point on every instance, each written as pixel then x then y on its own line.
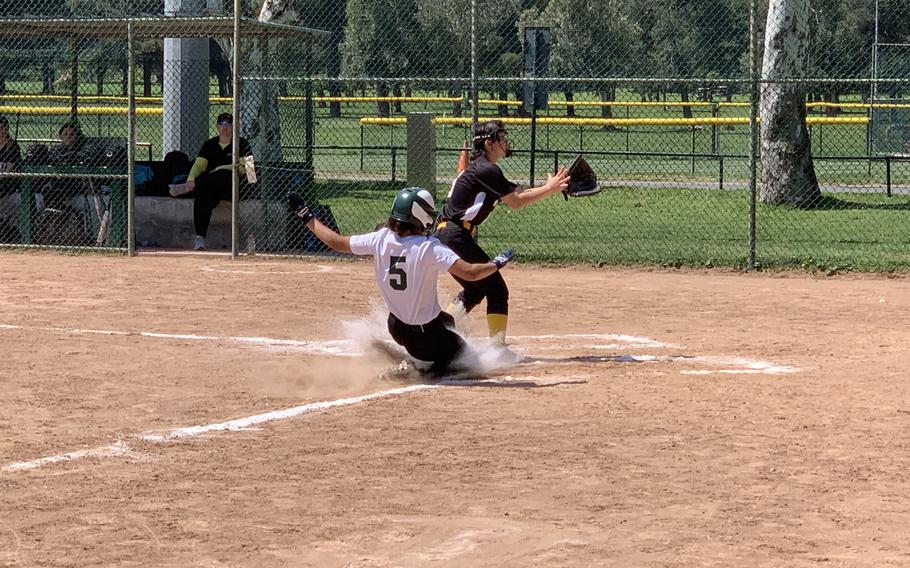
pixel 662 419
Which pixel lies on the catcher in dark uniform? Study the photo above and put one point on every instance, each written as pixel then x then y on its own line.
pixel 474 193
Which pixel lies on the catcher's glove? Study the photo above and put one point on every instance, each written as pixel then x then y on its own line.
pixel 583 180
pixel 300 207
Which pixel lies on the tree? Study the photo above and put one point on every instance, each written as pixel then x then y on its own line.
pixel 788 171
pixel 379 35
pixel 327 15
pixel 591 40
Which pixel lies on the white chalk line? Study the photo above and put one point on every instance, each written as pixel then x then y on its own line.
pixel 243 423
pixel 339 347
pixel 118 448
pixel 121 448
pixel 350 348
pixel 628 340
pixel 317 269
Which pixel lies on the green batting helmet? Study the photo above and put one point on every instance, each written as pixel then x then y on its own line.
pixel 414 206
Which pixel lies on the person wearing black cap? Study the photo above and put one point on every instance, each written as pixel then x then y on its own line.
pixel 10 158
pixel 210 177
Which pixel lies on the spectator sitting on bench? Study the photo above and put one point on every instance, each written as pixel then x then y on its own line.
pixel 210 177
pixel 10 158
pixel 68 153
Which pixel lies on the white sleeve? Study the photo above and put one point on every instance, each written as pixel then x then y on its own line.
pixel 362 245
pixel 445 257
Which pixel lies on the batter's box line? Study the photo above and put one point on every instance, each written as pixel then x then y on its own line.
pixel 337 347
pixel 740 365
pixel 122 449
pixel 351 348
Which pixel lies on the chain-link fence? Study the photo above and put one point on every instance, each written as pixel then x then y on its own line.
pixel 773 132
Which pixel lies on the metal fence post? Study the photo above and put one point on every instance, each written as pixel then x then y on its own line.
pixel 235 152
pixel 714 128
pixel 753 127
pixel 888 176
pixel 693 149
pixel 394 164
pixel 131 146
pixel 720 173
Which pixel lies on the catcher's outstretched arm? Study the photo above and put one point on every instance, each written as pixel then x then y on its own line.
pixel 555 183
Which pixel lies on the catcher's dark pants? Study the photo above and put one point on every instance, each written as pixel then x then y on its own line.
pixel 435 341
pixel 493 287
pixel 211 188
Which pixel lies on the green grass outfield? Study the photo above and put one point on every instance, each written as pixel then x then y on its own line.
pixel 674 227
pixel 338 140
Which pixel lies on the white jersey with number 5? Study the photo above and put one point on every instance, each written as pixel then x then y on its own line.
pixel 407 270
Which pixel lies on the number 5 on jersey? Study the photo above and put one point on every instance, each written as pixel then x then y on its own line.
pixel 398 278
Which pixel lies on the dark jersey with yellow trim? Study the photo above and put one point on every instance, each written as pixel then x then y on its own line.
pixel 475 192
pixel 219 157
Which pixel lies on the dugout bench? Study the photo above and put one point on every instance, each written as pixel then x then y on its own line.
pixel 100 203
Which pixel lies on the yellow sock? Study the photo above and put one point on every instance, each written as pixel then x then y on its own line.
pixel 497 325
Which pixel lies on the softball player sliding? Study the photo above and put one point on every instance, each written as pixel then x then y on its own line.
pixel 407 263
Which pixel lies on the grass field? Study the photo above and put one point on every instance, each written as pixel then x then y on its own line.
pixel 674 227
pixel 339 141
pixel 664 209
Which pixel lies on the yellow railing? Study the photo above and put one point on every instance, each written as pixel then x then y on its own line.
pixel 565 121
pixel 62 110
pixel 555 103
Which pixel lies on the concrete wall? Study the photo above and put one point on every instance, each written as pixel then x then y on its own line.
pixel 169 221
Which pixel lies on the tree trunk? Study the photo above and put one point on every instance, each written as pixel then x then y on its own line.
pixel 684 97
pixel 125 81
pixel 570 108
pixel 396 91
pixel 456 107
pixel 520 97
pixel 607 95
pixel 788 173
pixel 146 77
pixel 334 106
pixel 47 79
pixel 382 90
pixel 502 110
pixel 100 72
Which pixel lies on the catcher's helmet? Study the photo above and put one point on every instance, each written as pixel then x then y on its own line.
pixel 414 206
